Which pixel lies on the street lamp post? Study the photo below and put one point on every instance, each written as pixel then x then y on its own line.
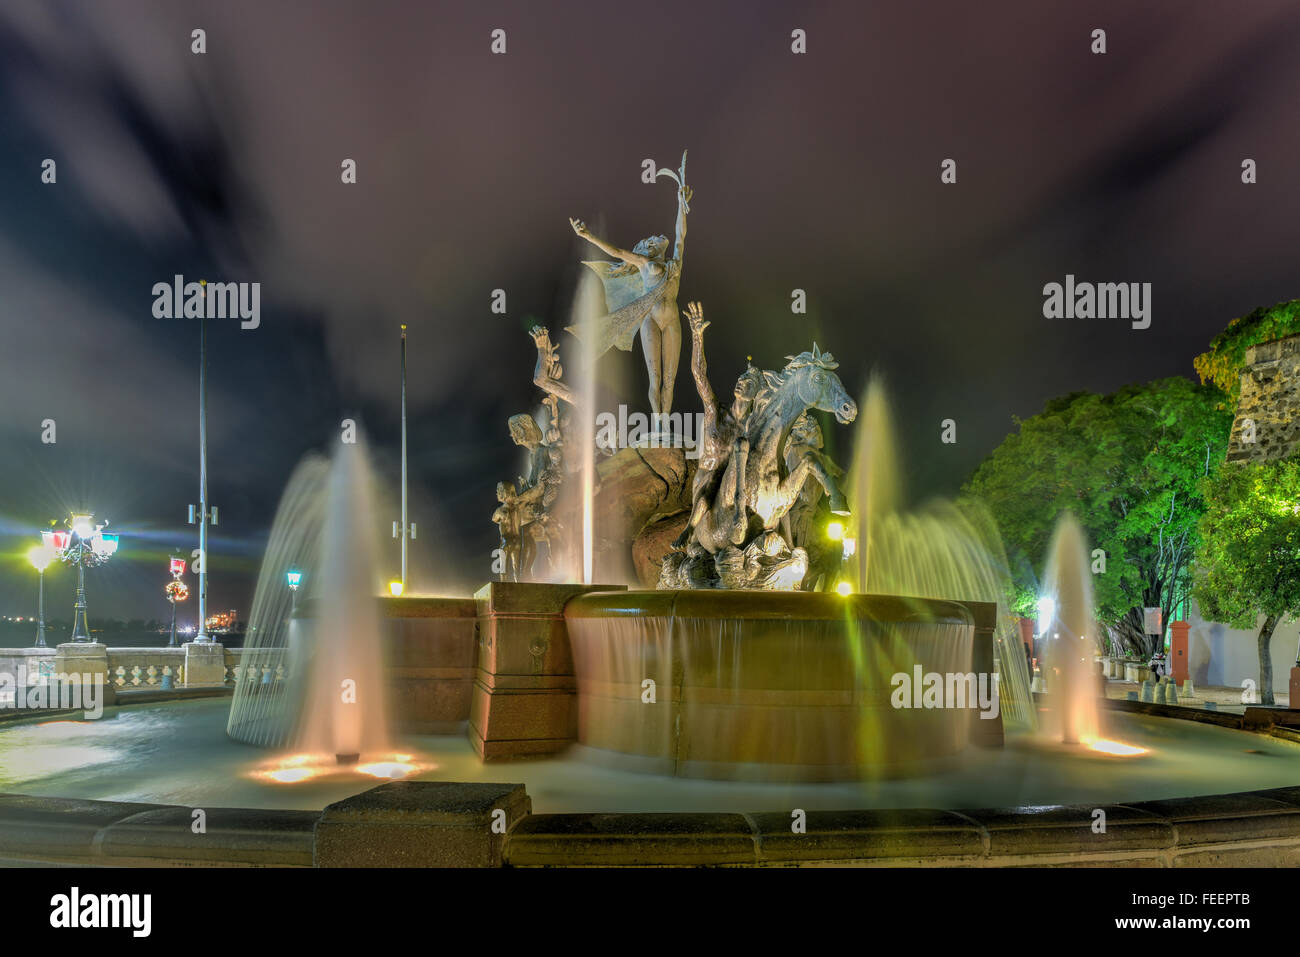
pixel 40 556
pixel 293 579
pixel 85 545
pixel 205 514
pixel 407 531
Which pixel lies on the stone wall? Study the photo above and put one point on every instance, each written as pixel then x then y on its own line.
pixel 1267 426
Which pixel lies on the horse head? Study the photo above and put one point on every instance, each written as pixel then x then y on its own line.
pixel 811 376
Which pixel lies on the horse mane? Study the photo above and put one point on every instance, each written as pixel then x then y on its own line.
pixel 773 381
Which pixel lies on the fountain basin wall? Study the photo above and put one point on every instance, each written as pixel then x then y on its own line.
pixel 524 700
pixel 445 824
pixel 427 646
pixel 772 685
pixel 430 646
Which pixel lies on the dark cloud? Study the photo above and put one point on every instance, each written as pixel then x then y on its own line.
pixel 818 172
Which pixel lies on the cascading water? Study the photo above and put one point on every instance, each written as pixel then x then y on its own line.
pixel 944 550
pixel 761 685
pixel 328 697
pixel 587 305
pixel 1072 715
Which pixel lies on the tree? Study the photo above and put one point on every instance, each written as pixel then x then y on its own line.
pixel 1248 562
pixel 1129 465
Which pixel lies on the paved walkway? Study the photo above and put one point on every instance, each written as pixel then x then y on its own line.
pixel 1226 699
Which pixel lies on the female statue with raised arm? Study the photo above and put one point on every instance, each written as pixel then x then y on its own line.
pixel 641 293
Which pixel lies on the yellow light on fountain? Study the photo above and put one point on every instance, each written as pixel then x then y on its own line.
pixel 835 531
pixel 843 589
pixel 1116 748
pixel 290 775
pixel 395 589
pixel 386 769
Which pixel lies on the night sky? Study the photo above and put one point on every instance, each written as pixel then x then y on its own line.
pixel 818 171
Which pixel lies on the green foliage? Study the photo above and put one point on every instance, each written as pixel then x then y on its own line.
pixel 1129 465
pixel 1248 562
pixel 1222 365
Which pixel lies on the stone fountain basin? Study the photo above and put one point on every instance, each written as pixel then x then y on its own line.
pixel 126 787
pixel 771 686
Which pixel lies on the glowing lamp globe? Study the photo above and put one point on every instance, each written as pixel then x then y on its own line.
pixel 40 556
pixel 293 578
pixel 1046 612
pixel 83 524
pixel 104 545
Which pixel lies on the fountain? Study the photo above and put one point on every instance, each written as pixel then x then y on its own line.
pixel 804 629
pixel 1072 717
pixel 766 684
pixel 943 550
pixel 331 701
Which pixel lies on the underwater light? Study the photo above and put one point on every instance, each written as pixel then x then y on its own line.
pixel 1112 747
pixel 386 769
pixel 395 588
pixel 290 775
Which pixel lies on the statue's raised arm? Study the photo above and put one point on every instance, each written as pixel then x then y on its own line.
pixel 641 296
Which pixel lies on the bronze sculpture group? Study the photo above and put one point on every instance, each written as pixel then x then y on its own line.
pixel 762 487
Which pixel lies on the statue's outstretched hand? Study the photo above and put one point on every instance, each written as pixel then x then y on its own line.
pixel 695 316
pixel 684 194
pixel 580 228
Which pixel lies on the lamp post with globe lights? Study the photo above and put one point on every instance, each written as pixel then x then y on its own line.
pixel 86 545
pixel 176 590
pixel 40 556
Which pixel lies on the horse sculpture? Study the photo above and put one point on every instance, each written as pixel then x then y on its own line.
pixel 736 537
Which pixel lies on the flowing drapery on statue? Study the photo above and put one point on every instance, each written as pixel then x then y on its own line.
pixel 628 302
pixel 641 295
